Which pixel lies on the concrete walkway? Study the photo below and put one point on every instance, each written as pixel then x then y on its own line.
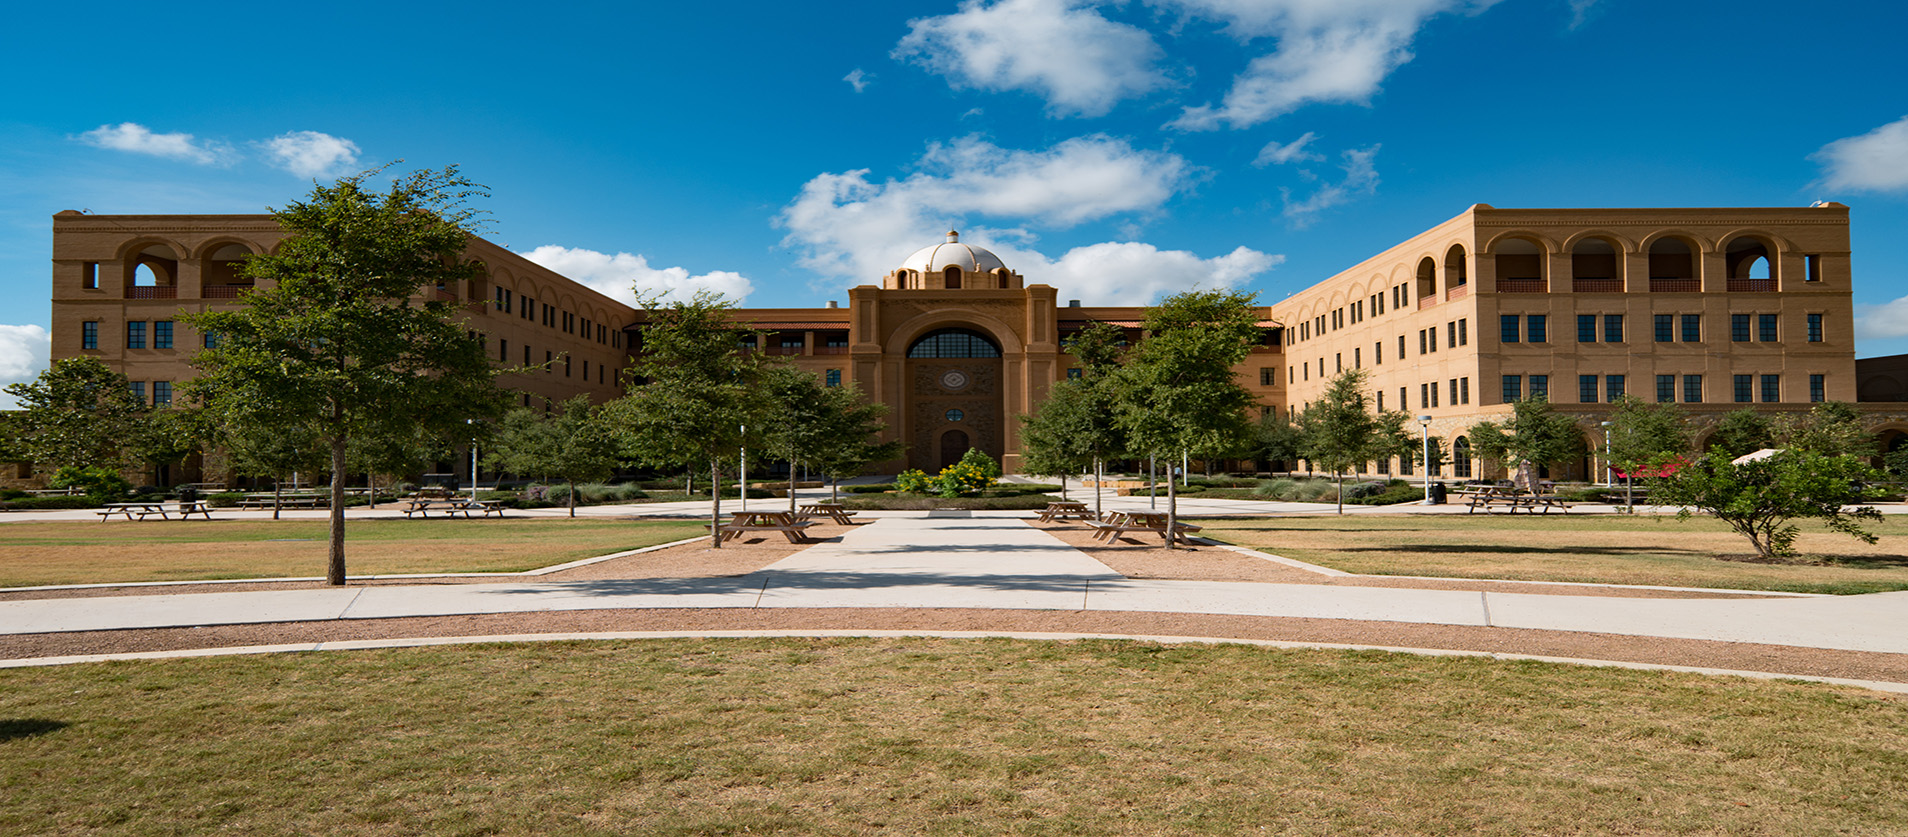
pixel 957 560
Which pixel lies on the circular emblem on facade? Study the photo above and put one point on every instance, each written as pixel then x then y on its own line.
pixel 954 379
pixel 955 415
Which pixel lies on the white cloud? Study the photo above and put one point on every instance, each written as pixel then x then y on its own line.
pixel 1328 51
pixel 1062 50
pixel 138 139
pixel 1133 273
pixel 311 153
pixel 847 226
pixel 1580 12
pixel 857 79
pixel 1886 321
pixel 623 275
pixel 1873 162
pixel 24 350
pixel 1361 178
pixel 1276 154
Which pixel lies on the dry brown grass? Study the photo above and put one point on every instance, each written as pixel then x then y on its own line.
pixel 33 554
pixel 856 736
pixel 1606 549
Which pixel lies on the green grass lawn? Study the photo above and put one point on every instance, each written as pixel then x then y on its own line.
pixel 86 552
pixel 984 737
pixel 1611 549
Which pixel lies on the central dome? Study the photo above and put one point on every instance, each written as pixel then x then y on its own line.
pixel 952 253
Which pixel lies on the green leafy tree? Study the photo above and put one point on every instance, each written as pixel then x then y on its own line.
pixel 1277 438
pixel 1177 392
pixel 1534 433
pixel 1830 428
pixel 696 391
pixel 1339 431
pixel 395 451
pixel 974 473
pixel 257 444
pixel 1743 431
pixel 826 429
pixel 849 440
pixel 169 435
pixel 335 341
pixel 78 413
pixel 577 443
pixel 1758 498
pixel 1644 435
pixel 1055 442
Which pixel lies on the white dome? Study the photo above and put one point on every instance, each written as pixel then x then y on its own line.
pixel 968 258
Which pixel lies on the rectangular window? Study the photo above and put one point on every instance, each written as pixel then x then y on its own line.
pixel 1507 328
pixel 1613 387
pixel 89 334
pixel 1771 389
pixel 1743 393
pixel 138 390
pixel 1738 328
pixel 1613 328
pixel 1665 328
pixel 1404 403
pixel 1424 396
pixel 1453 397
pixel 1381 401
pixel 1693 389
pixel 586 371
pixel 1665 389
pixel 566 366
pixel 1540 386
pixel 211 341
pixel 1464 332
pixel 1814 264
pixel 1464 390
pixel 89 276
pixel 1401 347
pixel 1766 328
pixel 1586 328
pixel 833 377
pixel 162 334
pixel 1074 374
pixel 1587 389
pixel 1338 363
pixel 526 355
pixel 1818 389
pixel 161 393
pixel 1378 353
pixel 1692 328
pixel 1291 374
pixel 1422 348
pixel 1265 377
pixel 503 350
pixel 1539 331
pixel 1815 328
pixel 1358 358
pixel 1450 335
pixel 503 300
pixel 1513 388
pixel 136 334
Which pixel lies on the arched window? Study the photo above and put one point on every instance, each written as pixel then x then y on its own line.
pixel 1673 267
pixel 953 274
pixel 1595 267
pixel 953 343
pixel 1427 277
pixel 1461 458
pixel 1455 273
pixel 1750 265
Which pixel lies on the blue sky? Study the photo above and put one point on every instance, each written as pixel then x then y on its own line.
pixel 784 152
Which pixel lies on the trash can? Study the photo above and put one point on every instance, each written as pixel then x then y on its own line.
pixel 1437 494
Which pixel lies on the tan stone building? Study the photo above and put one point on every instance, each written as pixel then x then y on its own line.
pixel 1711 308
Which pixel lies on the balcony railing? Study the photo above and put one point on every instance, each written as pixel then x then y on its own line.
pixel 1458 292
pixel 1675 286
pixel 831 350
pixel 1521 286
pixel 1427 301
pixel 153 292
pixel 784 350
pixel 1596 286
pixel 1752 286
pixel 223 291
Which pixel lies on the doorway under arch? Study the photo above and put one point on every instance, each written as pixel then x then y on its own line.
pixel 953 446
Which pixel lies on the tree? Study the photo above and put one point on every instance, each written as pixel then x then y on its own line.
pixel 696 391
pixel 78 413
pixel 1742 431
pixel 259 444
pixel 828 429
pixel 1277 438
pixel 1339 431
pixel 1830 428
pixel 1056 441
pixel 1535 433
pixel 1759 497
pixel 1644 435
pixel 1177 391
pixel 334 340
pixel 574 444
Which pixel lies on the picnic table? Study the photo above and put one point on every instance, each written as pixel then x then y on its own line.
pixel 758 521
pixel 185 508
pixel 300 500
pixel 835 511
pixel 451 506
pixel 1063 509
pixel 1488 497
pixel 1120 523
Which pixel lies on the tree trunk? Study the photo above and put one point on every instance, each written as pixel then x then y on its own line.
pixel 1172 510
pixel 689 483
pixel 715 504
pixel 572 485
pixel 1099 486
pixel 335 570
pixel 834 489
pixel 371 489
pixel 791 487
pixel 278 496
pixel 1341 492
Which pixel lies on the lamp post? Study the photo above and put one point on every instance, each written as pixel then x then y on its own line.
pixel 473 460
pixel 1608 478
pixel 742 488
pixel 1424 424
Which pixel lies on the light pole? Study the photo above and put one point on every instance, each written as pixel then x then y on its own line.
pixel 1608 478
pixel 1424 423
pixel 743 487
pixel 473 460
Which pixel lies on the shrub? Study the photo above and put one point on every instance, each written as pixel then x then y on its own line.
pixel 1391 494
pixel 225 499
pixel 876 488
pixel 1278 489
pixel 58 501
pixel 11 493
pixel 965 477
pixel 101 484
pixel 914 481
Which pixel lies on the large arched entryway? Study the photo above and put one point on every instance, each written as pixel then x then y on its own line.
pixel 955 397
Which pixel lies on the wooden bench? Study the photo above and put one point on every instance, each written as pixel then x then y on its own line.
pixel 185 508
pixel 1488 498
pixel 285 501
pixel 835 512
pixel 452 507
pixel 1120 523
pixel 746 521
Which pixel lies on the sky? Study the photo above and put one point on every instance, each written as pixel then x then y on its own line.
pixel 783 152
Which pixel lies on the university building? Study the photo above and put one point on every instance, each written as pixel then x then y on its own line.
pixel 1714 309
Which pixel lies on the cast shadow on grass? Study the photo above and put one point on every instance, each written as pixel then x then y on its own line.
pixel 16 728
pixel 1515 549
pixel 771 582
